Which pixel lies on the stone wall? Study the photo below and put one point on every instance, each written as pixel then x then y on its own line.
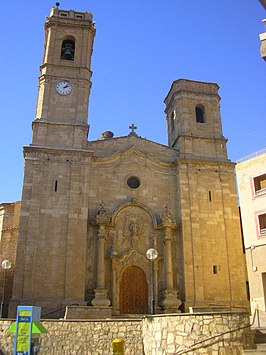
pixel 81 337
pixel 171 334
pixel 9 220
pixel 160 335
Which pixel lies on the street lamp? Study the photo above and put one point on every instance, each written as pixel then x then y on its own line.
pixel 152 254
pixel 6 264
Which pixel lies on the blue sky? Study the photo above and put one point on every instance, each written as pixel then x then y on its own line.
pixel 140 48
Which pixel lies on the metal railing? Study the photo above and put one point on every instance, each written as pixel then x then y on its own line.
pixel 200 342
pixel 58 310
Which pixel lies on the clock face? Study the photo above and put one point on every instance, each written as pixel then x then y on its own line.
pixel 63 87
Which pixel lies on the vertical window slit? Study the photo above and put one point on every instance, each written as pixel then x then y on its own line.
pixel 55 185
pixel 199 110
pixel 215 269
pixel 210 196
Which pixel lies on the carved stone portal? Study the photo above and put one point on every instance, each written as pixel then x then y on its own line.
pixel 125 236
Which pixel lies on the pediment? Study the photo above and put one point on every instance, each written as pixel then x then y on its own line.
pixel 132 155
pixel 136 204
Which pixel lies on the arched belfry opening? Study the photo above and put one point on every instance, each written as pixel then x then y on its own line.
pixel 68 48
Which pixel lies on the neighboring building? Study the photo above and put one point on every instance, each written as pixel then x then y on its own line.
pixel 9 221
pixel 90 210
pixel 263 35
pixel 251 177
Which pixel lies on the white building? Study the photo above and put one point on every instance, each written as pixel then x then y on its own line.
pixel 251 176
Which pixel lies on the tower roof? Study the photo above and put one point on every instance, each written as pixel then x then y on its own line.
pixel 194 86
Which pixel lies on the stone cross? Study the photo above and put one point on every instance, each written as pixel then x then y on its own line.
pixel 133 127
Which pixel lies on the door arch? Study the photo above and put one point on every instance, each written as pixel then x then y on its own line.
pixel 133 291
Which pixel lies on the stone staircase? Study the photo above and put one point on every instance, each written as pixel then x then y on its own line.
pixel 260 343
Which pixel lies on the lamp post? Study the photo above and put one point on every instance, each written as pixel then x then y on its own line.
pixel 6 264
pixel 152 254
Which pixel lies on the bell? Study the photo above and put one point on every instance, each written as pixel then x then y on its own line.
pixel 68 54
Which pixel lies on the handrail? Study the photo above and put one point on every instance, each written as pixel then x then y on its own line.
pixel 189 348
pixel 58 310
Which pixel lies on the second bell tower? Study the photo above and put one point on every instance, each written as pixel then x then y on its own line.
pixel 64 82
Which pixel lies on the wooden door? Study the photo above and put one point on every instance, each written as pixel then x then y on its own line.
pixel 133 291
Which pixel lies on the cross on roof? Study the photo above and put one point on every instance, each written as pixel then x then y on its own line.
pixel 132 127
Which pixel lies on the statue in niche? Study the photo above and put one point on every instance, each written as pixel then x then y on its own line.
pixel 132 230
pixel 134 226
pixel 122 242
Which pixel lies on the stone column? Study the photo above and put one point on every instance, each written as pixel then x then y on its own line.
pixel 156 278
pixel 168 258
pixel 100 299
pixel 170 301
pixel 115 292
pixel 100 259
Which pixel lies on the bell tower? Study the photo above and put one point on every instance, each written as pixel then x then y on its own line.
pixel 194 120
pixel 64 82
pixel 207 201
pixel 54 206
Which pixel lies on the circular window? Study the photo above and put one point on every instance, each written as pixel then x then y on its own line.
pixel 133 182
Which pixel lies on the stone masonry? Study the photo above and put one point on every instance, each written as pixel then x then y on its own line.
pixel 158 335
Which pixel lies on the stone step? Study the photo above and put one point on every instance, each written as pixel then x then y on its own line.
pixel 260 336
pixel 260 349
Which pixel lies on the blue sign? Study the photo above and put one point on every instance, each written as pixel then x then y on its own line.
pixel 26 315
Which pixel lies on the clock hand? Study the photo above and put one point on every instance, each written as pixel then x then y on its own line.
pixel 67 85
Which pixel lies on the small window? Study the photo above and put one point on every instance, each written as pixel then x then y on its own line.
pixel 215 269
pixel 172 120
pixel 262 223
pixel 200 114
pixel 133 182
pixel 260 184
pixel 68 49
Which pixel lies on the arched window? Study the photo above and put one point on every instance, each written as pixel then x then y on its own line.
pixel 68 49
pixel 200 114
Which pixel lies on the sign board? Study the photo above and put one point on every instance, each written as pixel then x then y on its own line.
pixel 26 315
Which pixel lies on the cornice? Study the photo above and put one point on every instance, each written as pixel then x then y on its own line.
pixel 68 22
pixel 56 151
pixel 44 121
pixel 131 137
pixel 205 162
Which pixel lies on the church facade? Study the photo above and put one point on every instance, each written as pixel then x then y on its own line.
pixel 91 210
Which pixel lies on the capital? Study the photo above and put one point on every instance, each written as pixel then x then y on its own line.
pixel 103 215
